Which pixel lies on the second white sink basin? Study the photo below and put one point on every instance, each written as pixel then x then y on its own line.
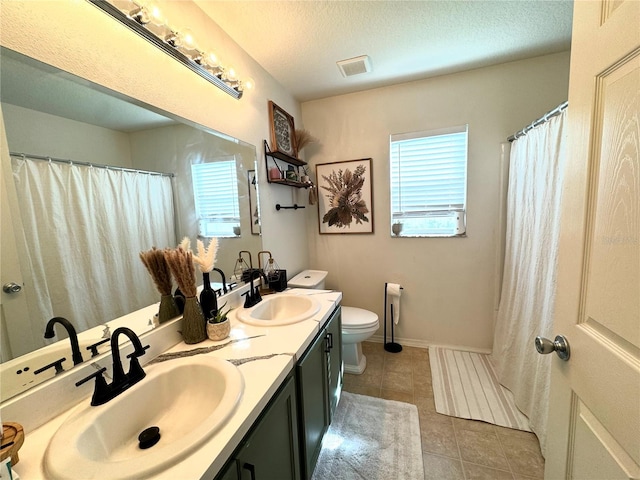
pixel 188 399
pixel 281 309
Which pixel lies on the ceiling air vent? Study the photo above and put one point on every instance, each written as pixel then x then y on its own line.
pixel 355 66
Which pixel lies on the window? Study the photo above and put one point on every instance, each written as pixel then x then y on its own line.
pixel 429 183
pixel 215 190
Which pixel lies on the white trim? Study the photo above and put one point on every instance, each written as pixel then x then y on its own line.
pixel 396 137
pixel 425 344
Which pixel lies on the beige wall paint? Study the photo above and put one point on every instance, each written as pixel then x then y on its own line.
pixel 449 283
pixel 77 37
pixel 172 149
pixel 37 133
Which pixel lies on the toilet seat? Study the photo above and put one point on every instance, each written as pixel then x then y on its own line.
pixel 354 318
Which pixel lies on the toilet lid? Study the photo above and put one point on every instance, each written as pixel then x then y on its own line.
pixel 354 318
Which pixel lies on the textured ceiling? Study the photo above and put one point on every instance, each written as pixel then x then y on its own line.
pixel 299 42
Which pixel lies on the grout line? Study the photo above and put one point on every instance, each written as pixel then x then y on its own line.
pixel 505 454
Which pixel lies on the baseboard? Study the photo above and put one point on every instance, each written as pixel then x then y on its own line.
pixel 424 344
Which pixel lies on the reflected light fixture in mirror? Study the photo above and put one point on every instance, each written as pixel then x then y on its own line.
pixel 146 19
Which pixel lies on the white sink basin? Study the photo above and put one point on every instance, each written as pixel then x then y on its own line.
pixel 280 309
pixel 188 399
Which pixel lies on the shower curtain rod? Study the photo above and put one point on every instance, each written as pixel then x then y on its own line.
pixel 87 164
pixel 539 121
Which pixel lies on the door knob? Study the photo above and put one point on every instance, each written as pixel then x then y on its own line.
pixel 11 287
pixel 560 345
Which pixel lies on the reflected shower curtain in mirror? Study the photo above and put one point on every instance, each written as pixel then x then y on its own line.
pixel 84 228
pixel 528 286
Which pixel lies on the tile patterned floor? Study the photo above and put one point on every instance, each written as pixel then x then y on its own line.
pixel 452 448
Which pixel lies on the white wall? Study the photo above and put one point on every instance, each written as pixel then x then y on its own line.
pixel 173 149
pixel 449 283
pixel 37 133
pixel 77 37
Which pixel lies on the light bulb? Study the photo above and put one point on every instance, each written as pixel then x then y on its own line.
pixel 187 40
pixel 211 60
pixel 248 84
pixel 155 14
pixel 231 75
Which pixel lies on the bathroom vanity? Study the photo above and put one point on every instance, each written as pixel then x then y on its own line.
pixel 292 380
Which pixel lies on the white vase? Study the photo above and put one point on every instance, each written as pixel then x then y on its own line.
pixel 218 331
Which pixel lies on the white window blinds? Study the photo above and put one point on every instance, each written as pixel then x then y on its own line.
pixel 215 190
pixel 428 182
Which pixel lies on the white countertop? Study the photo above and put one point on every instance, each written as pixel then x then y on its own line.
pixel 283 345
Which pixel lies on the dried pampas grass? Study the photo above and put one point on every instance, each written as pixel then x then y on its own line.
pixel 185 244
pixel 206 258
pixel 304 138
pixel 158 269
pixel 181 265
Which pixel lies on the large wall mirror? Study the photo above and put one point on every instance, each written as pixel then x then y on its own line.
pixel 75 256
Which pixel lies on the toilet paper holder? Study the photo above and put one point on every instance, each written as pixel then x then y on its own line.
pixel 392 346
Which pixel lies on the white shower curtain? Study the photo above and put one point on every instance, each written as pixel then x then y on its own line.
pixel 528 286
pixel 84 228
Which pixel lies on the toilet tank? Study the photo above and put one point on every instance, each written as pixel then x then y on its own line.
pixel 308 279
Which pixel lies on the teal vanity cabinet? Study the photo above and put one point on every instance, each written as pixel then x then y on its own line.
pixel 270 451
pixel 319 374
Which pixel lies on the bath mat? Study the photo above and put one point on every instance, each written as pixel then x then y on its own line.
pixel 371 439
pixel 466 386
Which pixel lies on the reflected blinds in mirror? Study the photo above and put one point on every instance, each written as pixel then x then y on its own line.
pixel 215 190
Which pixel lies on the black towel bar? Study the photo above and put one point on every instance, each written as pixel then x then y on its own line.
pixel 295 206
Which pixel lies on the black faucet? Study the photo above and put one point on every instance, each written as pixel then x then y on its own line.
pixel 252 296
pixel 135 370
pixel 104 392
pixel 224 280
pixel 73 337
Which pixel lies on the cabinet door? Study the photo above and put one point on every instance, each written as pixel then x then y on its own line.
pixel 229 473
pixel 312 393
pixel 334 360
pixel 271 451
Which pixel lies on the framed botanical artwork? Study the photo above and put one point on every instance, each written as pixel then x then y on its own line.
pixel 345 196
pixel 283 138
pixel 254 213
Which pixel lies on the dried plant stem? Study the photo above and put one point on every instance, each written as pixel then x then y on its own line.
pixel 304 138
pixel 156 264
pixel 181 266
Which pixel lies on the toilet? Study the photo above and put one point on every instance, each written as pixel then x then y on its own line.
pixel 357 324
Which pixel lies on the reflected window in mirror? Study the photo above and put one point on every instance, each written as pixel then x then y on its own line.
pixel 215 191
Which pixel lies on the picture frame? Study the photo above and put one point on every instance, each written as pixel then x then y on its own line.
pixel 345 196
pixel 254 212
pixel 282 126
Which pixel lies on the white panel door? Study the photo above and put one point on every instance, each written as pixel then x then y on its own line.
pixel 594 417
pixel 13 306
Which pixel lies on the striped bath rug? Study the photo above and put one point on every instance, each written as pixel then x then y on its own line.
pixel 466 386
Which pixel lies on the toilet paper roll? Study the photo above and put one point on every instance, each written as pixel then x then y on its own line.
pixel 394 291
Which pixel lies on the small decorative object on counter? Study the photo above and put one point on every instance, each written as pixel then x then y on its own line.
pixel 396 228
pixel 206 259
pixel 219 327
pixel 12 440
pixel 181 265
pixel 208 298
pixel 159 270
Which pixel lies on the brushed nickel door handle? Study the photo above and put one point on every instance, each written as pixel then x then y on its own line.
pixel 11 288
pixel 560 345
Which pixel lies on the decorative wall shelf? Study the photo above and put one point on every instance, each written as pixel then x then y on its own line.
pixel 296 162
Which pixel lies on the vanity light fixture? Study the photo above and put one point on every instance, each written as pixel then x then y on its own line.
pixel 145 18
